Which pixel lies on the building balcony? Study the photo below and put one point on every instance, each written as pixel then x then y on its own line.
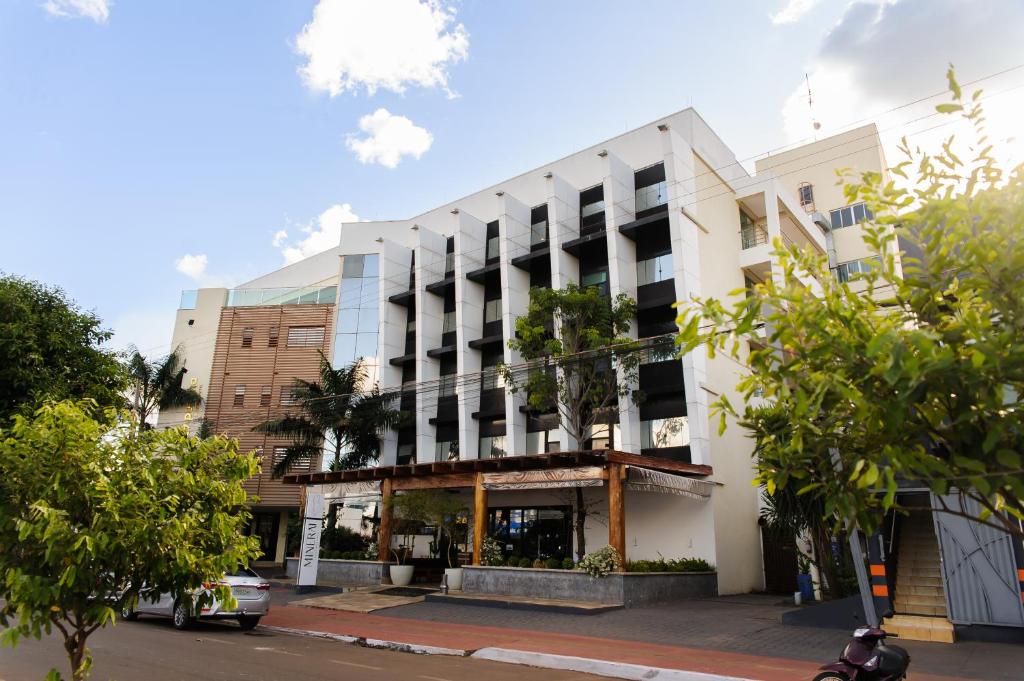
pixel 633 230
pixel 480 275
pixel 438 288
pixel 442 351
pixel 404 298
pixel 657 294
pixel 525 262
pixel 577 245
pixel 400 361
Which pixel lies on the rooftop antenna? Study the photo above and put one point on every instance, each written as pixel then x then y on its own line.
pixel 810 105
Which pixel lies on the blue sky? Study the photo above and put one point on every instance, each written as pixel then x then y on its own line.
pixel 133 134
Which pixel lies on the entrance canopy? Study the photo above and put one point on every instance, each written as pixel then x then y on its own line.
pixel 589 468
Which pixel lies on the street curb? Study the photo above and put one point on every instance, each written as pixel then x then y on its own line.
pixel 415 649
pixel 618 670
pixel 382 644
pixel 312 634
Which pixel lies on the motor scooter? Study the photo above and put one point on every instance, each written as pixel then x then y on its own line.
pixel 867 658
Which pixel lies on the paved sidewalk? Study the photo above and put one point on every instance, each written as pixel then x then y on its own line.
pixel 546 634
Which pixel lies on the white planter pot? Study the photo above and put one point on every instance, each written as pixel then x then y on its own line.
pixel 454 576
pixel 401 575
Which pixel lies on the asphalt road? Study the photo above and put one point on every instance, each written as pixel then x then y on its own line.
pixel 150 649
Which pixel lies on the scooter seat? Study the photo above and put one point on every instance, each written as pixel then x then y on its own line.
pixel 892 660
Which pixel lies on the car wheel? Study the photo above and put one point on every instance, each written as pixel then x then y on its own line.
pixel 832 676
pixel 248 622
pixel 182 616
pixel 129 614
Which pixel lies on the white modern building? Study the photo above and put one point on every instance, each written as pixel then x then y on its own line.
pixel 662 213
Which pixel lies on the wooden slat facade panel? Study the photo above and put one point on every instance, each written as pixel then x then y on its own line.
pixel 258 366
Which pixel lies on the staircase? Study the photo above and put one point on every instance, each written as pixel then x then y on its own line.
pixel 920 604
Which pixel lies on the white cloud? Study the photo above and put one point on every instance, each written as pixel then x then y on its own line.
pixel 793 11
pixel 884 54
pixel 97 10
pixel 321 235
pixel 194 267
pixel 389 138
pixel 280 236
pixel 387 44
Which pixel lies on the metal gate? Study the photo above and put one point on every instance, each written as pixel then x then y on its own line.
pixel 979 569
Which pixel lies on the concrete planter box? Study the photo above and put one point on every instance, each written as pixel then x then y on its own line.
pixel 332 572
pixel 627 588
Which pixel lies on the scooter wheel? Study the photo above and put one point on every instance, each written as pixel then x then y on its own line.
pixel 831 676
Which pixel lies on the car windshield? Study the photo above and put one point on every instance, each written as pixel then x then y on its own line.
pixel 242 572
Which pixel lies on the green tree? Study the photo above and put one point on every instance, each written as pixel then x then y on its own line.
pixel 573 340
pixel 91 521
pixel 157 385
pixel 340 409
pixel 52 349
pixel 916 377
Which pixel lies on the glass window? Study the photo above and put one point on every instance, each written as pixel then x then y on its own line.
pixel 188 300
pixel 446 385
pixel 265 394
pixel 371 266
pixel 858 212
pixel 492 447
pixel 366 345
pixel 850 215
pixel 542 441
pixel 344 348
pixel 668 432
pixel 651 196
pixel 305 336
pixel 352 267
pixel 247 333
pixel 446 450
pixel 598 279
pixel 493 247
pixel 806 193
pixel 286 398
pixel 348 321
pixel 239 396
pixel 449 263
pixel 538 233
pixel 369 317
pixel 351 292
pixel 410 326
pixel 589 209
pixel 491 378
pixel 448 323
pixel 492 311
pixel 406 453
pixel 309 296
pixel 653 270
pixel 659 353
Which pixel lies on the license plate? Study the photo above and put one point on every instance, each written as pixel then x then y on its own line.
pixel 243 592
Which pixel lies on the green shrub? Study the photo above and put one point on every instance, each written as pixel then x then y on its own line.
pixel 674 565
pixel 490 552
pixel 539 563
pixel 601 562
pixel 525 562
pixel 513 560
pixel 552 564
pixel 567 564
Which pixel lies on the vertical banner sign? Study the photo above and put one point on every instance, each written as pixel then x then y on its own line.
pixel 312 525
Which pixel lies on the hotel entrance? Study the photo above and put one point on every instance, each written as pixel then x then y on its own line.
pixel 532 532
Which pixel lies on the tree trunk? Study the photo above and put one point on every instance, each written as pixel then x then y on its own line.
pixel 581 525
pixel 77 655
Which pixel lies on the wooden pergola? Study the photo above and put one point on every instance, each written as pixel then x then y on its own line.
pixel 596 465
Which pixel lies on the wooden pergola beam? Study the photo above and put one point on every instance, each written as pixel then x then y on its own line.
pixel 479 517
pixel 617 510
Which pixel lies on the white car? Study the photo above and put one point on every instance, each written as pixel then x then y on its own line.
pixel 250 591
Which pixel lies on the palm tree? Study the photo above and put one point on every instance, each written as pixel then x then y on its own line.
pixel 156 384
pixel 338 412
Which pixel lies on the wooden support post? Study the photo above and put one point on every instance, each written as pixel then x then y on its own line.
pixel 384 532
pixel 616 511
pixel 479 517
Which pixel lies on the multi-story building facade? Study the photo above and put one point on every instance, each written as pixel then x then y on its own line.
pixel 663 213
pixel 243 349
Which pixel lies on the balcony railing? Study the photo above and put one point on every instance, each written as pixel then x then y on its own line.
pixel 310 295
pixel 752 237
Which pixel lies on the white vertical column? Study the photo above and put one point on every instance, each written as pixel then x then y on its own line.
pixel 514 226
pixel 430 252
pixel 619 201
pixel 680 177
pixel 563 226
pixel 773 225
pixel 470 245
pixel 393 278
